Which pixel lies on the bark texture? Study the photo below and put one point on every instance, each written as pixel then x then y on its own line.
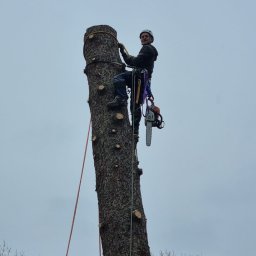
pixel 113 151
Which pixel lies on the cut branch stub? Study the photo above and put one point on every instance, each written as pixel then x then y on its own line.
pixel 137 214
pixel 113 131
pixel 101 225
pixel 118 117
pixel 117 146
pixel 94 138
pixel 101 89
pixel 91 36
pixel 139 171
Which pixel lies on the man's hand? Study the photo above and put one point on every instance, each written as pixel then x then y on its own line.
pixel 122 48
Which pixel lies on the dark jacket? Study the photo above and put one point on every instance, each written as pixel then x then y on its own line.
pixel 145 59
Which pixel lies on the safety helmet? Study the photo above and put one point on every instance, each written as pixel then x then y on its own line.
pixel 147 31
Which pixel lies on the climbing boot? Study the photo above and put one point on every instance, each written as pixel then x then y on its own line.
pixel 117 102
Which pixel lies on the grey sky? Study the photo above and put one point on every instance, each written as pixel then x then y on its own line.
pixel 198 183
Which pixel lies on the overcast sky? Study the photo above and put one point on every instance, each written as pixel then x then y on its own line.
pixel 198 185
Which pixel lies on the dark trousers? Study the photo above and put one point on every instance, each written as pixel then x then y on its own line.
pixel 120 82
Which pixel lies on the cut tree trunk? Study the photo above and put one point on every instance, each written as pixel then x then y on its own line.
pixel 122 220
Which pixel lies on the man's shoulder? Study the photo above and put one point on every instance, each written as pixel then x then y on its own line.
pixel 150 48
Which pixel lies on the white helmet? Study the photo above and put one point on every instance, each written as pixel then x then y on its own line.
pixel 149 32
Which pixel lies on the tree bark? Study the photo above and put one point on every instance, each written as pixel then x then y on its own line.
pixel 122 232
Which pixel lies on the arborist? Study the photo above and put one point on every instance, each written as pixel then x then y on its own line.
pixel 144 60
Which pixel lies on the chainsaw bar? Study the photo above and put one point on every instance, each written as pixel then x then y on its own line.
pixel 148 133
pixel 149 119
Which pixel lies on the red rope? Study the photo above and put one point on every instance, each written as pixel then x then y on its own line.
pixel 79 187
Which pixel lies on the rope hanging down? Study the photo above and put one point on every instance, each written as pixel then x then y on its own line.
pixel 79 187
pixel 134 155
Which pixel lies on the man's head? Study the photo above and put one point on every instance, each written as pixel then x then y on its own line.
pixel 146 37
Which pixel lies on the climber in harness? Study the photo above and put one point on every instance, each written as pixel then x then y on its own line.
pixel 144 61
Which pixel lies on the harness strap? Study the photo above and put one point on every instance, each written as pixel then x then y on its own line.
pixel 138 91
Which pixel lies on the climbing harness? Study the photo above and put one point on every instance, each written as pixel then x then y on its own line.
pixel 79 187
pixel 153 118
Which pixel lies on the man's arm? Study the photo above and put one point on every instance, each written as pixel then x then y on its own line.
pixel 145 55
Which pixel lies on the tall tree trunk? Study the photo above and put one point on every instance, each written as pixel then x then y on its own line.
pixel 122 220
